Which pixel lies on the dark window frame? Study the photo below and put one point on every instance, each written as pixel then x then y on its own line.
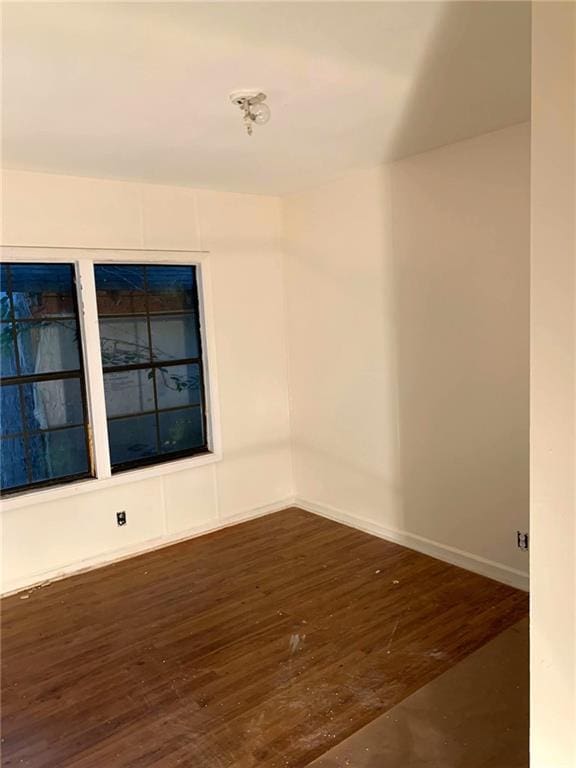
pixel 22 379
pixel 153 365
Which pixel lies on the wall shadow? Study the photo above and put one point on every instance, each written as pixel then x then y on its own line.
pixel 456 246
pixel 476 50
pixel 409 319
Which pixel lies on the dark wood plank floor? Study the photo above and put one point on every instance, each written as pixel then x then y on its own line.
pixel 259 645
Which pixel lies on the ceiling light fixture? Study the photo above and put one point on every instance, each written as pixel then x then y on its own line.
pixel 254 111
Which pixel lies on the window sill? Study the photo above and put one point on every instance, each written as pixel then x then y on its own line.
pixel 93 485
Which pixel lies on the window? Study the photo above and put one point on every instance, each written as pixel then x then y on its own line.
pixel 136 328
pixel 151 356
pixel 43 407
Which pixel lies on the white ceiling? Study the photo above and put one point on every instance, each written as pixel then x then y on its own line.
pixel 140 90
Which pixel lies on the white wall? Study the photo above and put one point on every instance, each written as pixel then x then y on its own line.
pixel 408 304
pixel 407 295
pixel 553 387
pixel 243 234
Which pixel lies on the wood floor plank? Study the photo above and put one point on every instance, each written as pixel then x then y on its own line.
pixel 259 645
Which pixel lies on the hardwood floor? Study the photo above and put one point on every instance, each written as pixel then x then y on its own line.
pixel 259 645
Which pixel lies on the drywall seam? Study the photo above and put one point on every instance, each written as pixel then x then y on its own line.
pixel 287 347
pixel 216 493
pixel 452 555
pixel 116 556
pixel 141 215
pixel 162 492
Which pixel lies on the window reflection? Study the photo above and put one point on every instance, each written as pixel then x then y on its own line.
pixel 43 415
pixel 151 355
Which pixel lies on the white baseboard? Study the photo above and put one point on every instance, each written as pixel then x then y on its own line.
pixel 117 555
pixel 452 555
pixel 448 554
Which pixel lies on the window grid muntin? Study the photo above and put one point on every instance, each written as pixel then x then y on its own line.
pixel 22 379
pixel 154 387
pixel 152 364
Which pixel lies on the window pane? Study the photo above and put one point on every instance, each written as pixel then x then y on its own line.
pixel 36 355
pixel 132 438
pixel 148 322
pixel 10 414
pixel 178 385
pixel 129 392
pixel 181 430
pixel 124 341
pixel 8 361
pixel 120 289
pixel 58 454
pixel 13 465
pixel 170 289
pixel 42 290
pixel 47 346
pixel 174 337
pixel 54 403
pixel 4 298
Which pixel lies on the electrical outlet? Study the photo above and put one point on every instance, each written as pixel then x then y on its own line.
pixel 522 539
pixel 121 518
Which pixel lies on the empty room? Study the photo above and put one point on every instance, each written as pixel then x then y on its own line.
pixel 288 384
